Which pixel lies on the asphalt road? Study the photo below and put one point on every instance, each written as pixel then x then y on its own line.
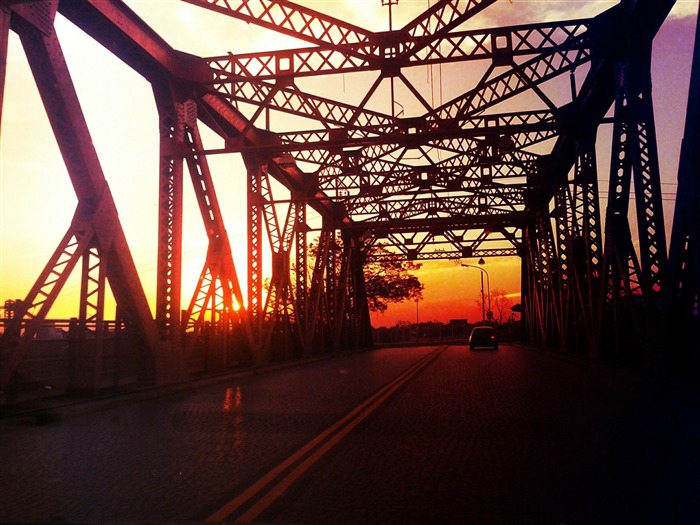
pixel 399 435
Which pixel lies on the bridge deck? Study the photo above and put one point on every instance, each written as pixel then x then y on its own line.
pixel 417 434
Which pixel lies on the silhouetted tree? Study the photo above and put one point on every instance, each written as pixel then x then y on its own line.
pixel 500 304
pixel 389 277
pixel 390 280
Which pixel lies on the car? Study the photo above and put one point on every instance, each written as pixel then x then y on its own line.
pixel 483 337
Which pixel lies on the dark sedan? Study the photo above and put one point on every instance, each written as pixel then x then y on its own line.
pixel 483 337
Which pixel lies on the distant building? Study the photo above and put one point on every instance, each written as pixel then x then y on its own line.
pixel 458 327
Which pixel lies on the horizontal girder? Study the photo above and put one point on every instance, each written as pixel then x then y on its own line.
pixel 498 44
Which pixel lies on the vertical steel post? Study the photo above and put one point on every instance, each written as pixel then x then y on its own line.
pixel 681 312
pixel 170 207
pixel 255 285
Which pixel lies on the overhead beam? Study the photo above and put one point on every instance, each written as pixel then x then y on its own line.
pixel 284 66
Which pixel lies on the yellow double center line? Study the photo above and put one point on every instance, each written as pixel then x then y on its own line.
pixel 273 484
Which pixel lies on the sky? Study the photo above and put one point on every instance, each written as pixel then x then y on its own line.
pixel 37 200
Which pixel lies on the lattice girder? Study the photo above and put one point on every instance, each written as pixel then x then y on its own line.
pixel 491 44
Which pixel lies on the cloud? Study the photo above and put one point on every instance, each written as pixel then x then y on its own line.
pixel 532 11
pixel 684 9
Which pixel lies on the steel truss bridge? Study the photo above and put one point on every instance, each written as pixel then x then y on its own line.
pixel 506 166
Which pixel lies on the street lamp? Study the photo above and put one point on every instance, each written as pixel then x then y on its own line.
pixel 488 284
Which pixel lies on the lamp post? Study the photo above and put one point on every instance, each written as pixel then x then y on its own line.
pixel 488 284
pixel 390 3
pixel 391 28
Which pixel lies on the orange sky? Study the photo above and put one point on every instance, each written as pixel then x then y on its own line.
pixel 37 200
pixel 451 291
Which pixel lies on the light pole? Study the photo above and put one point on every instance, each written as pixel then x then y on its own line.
pixel 391 28
pixel 488 284
pixel 390 3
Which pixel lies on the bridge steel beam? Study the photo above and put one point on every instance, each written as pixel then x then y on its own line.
pixel 633 282
pixel 628 283
pixel 170 208
pixel 280 322
pixel 681 319
pixel 323 30
pixel 285 66
pixel 218 291
pixel 550 51
pixel 580 235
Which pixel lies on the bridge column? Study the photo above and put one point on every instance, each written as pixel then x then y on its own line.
pixel 633 281
pixel 682 298
pixel 280 322
pixel 255 284
pixel 316 330
pixel 170 206
pixel 579 250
